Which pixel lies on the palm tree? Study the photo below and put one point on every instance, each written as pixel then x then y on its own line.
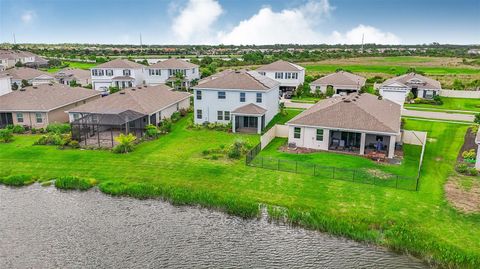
pixel 125 143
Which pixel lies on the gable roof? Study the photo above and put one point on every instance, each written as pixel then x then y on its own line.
pixel 44 97
pixel 173 63
pixel 427 83
pixel 239 80
pixel 20 73
pixel 250 109
pixel 120 63
pixel 363 112
pixel 340 78
pixel 73 72
pixel 280 65
pixel 146 100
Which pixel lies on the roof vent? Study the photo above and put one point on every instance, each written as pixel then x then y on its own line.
pixel 237 71
pixel 22 89
pixel 133 89
pixel 346 101
pixel 50 84
pixel 380 97
pixel 122 92
pixel 35 87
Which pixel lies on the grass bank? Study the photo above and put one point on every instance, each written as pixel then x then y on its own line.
pixel 173 167
pixel 463 104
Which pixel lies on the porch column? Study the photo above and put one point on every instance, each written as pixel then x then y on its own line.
pixel 233 123
pixel 259 125
pixel 362 143
pixel 391 147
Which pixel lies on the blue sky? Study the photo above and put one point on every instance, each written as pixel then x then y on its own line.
pixel 240 22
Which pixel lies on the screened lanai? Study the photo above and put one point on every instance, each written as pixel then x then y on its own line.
pixel 99 130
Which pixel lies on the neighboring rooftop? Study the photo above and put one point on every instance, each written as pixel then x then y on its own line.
pixel 216 75
pixel 363 112
pixel 238 80
pixel 145 100
pixel 414 80
pixel 120 63
pixel 20 73
pixel 340 78
pixel 280 65
pixel 44 97
pixel 73 72
pixel 173 63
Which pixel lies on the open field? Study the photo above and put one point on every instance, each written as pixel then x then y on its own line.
pixel 78 65
pixel 463 104
pixel 422 222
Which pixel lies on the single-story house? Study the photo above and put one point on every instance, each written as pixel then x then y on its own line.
pixel 356 123
pixel 341 81
pixel 477 140
pixel 67 75
pixel 154 103
pixel 38 106
pixel 245 98
pixel 397 88
pixel 32 76
pixel 289 75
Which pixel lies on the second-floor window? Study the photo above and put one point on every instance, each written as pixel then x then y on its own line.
pixel 97 72
pixel 288 75
pixel 262 73
pixel 154 72
pixel 221 95
pixel 294 75
pixel 278 75
pixel 259 97
pixel 199 95
pixel 242 97
pixel 126 72
pixel 109 72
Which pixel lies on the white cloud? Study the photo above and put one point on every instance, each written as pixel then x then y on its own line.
pixel 370 34
pixel 195 21
pixel 28 16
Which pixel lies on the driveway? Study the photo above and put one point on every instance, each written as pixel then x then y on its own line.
pixel 437 115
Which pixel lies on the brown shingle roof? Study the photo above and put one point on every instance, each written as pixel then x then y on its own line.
pixel 120 63
pixel 363 112
pixel 19 73
pixel 173 64
pixel 239 80
pixel 44 97
pixel 280 65
pixel 146 100
pixel 428 83
pixel 340 78
pixel 250 109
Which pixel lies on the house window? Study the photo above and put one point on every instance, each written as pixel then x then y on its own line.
pixel 297 132
pixel 278 75
pixel 259 97
pixel 76 116
pixel 262 73
pixel 219 115
pixel 97 72
pixel 227 115
pixel 126 72
pixel 199 95
pixel 288 75
pixel 242 97
pixel 19 117
pixel 294 75
pixel 199 114
pixel 193 70
pixel 221 95
pixel 319 134
pixel 154 72
pixel 428 94
pixel 38 117
pixel 109 72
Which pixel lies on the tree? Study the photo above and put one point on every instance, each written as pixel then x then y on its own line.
pixel 330 92
pixel 19 64
pixel 477 118
pixel 112 89
pixel 74 83
pixel 14 86
pixel 25 83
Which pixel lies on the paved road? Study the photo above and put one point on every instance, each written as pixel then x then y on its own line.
pixel 437 115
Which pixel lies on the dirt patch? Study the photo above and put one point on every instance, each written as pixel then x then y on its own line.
pixel 297 150
pixel 379 173
pixel 468 144
pixel 464 199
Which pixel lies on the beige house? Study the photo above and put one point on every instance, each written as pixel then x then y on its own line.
pixel 67 75
pixel 38 106
pixel 32 76
pixel 357 123
pixel 342 82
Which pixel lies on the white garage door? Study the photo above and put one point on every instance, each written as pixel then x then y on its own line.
pixel 395 96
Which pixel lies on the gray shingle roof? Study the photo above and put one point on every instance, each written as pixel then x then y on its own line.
pixel 73 72
pixel 280 65
pixel 363 112
pixel 120 63
pixel 427 83
pixel 340 78
pixel 26 73
pixel 44 97
pixel 239 80
pixel 250 109
pixel 173 64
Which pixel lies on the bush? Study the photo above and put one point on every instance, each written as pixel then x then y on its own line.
pixel 125 143
pixel 329 92
pixel 151 131
pixel 165 126
pixel 16 129
pixel 472 171
pixel 74 183
pixel 183 112
pixel 6 135
pixel 469 155
pixel 175 116
pixel 17 180
pixel 59 128
pixel 477 118
pixel 461 168
pixel 74 144
pixel 238 148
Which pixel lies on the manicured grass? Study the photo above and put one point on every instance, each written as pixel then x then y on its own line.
pixel 283 118
pixel 392 70
pixel 305 99
pixel 74 183
pixel 466 104
pixel 79 65
pixel 17 180
pixel 173 167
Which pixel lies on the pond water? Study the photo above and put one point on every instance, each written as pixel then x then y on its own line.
pixel 48 228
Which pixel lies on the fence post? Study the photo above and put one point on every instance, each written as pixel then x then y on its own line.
pixel 333 172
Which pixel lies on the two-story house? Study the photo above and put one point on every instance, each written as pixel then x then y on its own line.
pixel 289 75
pixel 165 72
pixel 245 98
pixel 119 73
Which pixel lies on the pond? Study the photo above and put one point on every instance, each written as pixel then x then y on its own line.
pixel 42 227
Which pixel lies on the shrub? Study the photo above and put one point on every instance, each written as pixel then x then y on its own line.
pixel 205 152
pixel 17 180
pixel 151 131
pixel 469 155
pixel 165 126
pixel 472 171
pixel 59 128
pixel 125 143
pixel 477 118
pixel 329 92
pixel 16 129
pixel 175 116
pixel 6 135
pixel 74 183
pixel 237 149
pixel 183 112
pixel 74 144
pixel 461 168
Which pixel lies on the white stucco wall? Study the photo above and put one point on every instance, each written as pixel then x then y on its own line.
pixel 105 81
pixel 287 82
pixel 191 74
pixel 5 85
pixel 308 137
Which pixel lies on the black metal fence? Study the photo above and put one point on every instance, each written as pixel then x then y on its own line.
pixel 361 175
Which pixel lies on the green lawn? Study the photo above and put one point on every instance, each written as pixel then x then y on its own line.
pixel 79 65
pixel 419 222
pixel 305 99
pixel 466 104
pixel 283 118
pixel 389 69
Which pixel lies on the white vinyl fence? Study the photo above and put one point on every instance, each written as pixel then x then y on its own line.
pixel 460 94
pixel 276 131
pixel 414 137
